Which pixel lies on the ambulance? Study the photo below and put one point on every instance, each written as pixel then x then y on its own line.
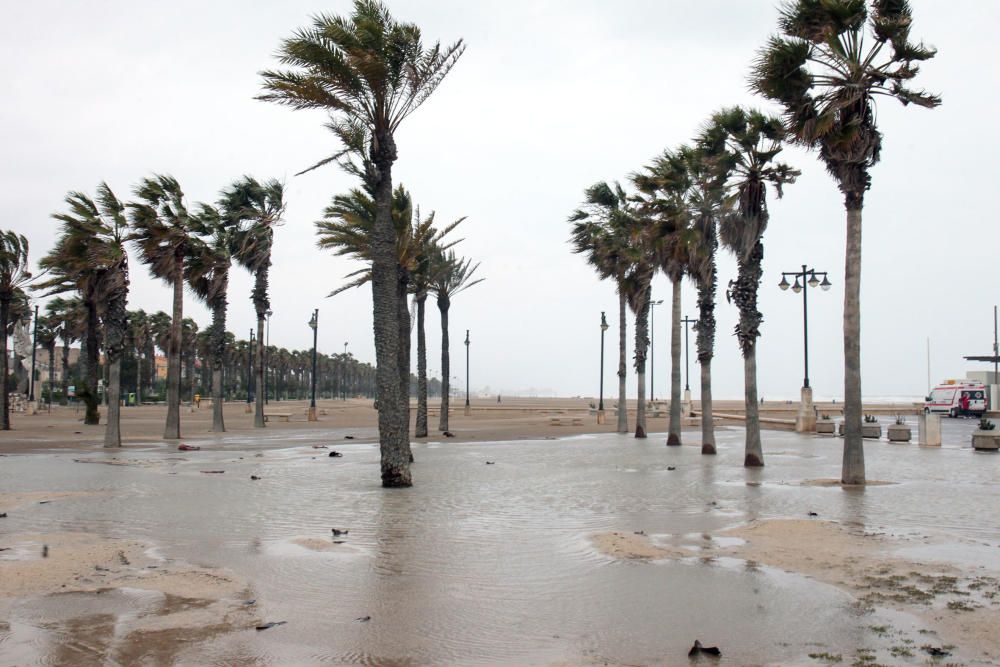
pixel 958 398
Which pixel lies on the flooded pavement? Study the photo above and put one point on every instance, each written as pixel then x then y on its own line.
pixel 491 564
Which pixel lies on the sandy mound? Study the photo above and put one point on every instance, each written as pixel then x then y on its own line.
pixel 836 482
pixel 9 501
pixel 633 546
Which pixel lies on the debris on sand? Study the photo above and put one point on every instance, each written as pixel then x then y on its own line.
pixel 698 649
pixel 3 515
pixel 213 472
pixel 348 437
pixel 45 551
pixel 490 463
pixel 337 532
pixel 188 448
pixel 935 651
pixel 254 478
pixel 671 467
pixel 272 624
pixel 320 447
pixel 363 619
pixel 813 514
pixel 334 454
pixel 449 434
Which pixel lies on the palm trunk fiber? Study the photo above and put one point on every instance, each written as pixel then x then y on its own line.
pixel 641 346
pixel 4 370
pixel 707 425
pixel 853 471
pixel 674 428
pixel 64 399
pixel 91 357
pixel 622 363
pixel 258 408
pixel 172 430
pixel 393 426
pixel 404 357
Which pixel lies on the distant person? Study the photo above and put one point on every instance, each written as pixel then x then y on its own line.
pixel 965 403
pixel 498 399
pixel 762 400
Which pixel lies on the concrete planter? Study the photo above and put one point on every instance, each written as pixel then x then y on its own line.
pixel 986 441
pixel 840 428
pixel 871 431
pixel 899 433
pixel 826 426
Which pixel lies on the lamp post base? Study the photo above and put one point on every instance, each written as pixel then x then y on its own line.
pixel 686 407
pixel 806 420
pixel 247 410
pixel 600 416
pixel 312 414
pixel 467 411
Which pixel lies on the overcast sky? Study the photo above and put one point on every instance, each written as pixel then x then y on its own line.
pixel 549 97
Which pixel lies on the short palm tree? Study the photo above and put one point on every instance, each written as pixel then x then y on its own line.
pixel 162 231
pixel 140 334
pixel 69 317
pixel 207 273
pixel 826 69
pixel 14 276
pixel 747 142
pixel 255 209
pixel 89 258
pixel 449 275
pixel 189 355
pixel 370 72
pixel 47 336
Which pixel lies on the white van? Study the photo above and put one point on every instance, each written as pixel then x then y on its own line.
pixel 958 398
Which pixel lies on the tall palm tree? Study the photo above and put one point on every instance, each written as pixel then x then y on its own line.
pixel 162 232
pixel 833 59
pixel 14 276
pixel 370 72
pixel 255 209
pixel 747 143
pixel 189 354
pixel 450 275
pixel 207 273
pixel 599 233
pixel 89 257
pixel 47 335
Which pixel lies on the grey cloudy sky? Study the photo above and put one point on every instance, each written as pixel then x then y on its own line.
pixel 550 97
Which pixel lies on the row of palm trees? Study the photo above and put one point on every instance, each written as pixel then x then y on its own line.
pixel 825 70
pixel 184 247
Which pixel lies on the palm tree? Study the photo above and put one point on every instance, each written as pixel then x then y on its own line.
pixel 89 258
pixel 747 143
pixel 826 75
pixel 69 318
pixel 599 233
pixel 450 275
pixel 370 72
pixel 141 339
pixel 47 336
pixel 207 273
pixel 162 232
pixel 189 354
pixel 14 276
pixel 255 209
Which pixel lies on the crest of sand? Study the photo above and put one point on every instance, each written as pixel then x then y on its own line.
pixel 320 544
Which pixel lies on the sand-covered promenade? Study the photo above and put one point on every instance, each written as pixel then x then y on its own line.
pixel 522 542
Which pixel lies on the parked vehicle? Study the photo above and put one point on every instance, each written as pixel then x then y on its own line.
pixel 958 398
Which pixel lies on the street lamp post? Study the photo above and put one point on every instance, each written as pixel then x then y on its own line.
pixel 687 365
pixel 807 414
pixel 468 408
pixel 600 402
pixel 34 351
pixel 314 324
pixel 249 373
pixel 652 348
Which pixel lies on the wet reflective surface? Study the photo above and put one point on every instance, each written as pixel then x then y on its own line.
pixel 487 564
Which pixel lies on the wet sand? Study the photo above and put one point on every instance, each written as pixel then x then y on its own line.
pixel 589 549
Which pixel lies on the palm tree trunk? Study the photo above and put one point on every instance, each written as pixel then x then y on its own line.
pixel 113 433
pixel 622 365
pixel 172 430
pixel 421 428
pixel 64 399
pixel 707 424
pixel 52 369
pixel 641 346
pixel 393 426
pixel 138 376
pixel 754 456
pixel 404 357
pixel 258 409
pixel 443 306
pixel 90 357
pixel 218 346
pixel 4 312
pixel 853 471
pixel 674 430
